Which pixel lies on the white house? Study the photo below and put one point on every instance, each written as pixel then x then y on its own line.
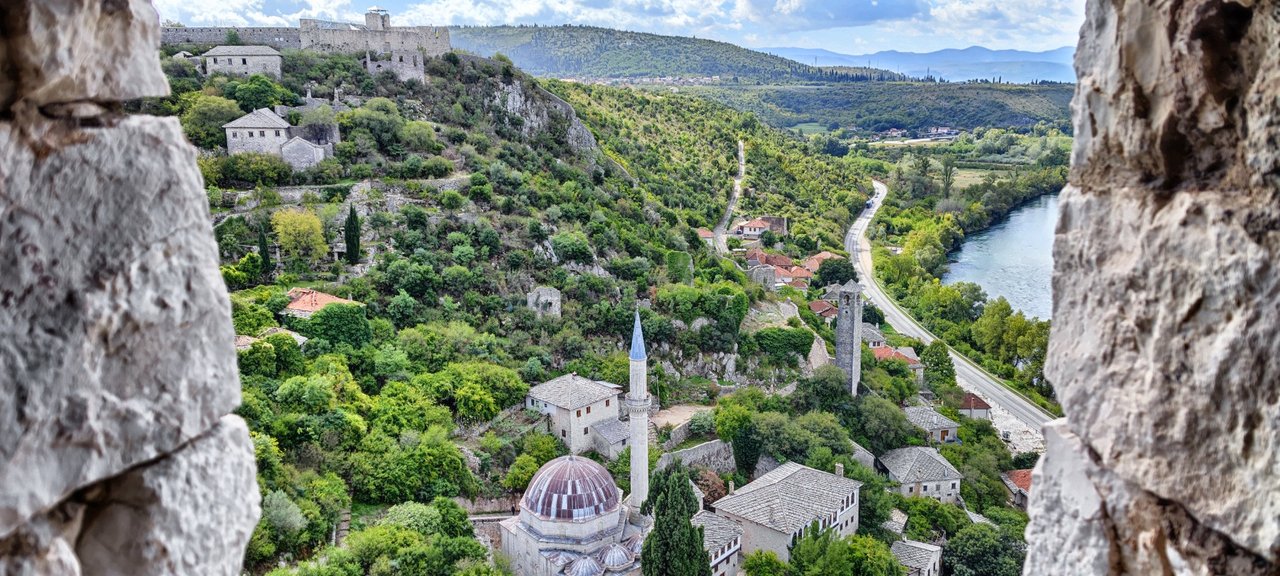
pixel 971 406
pixel 779 507
pixel 265 132
pixel 722 539
pixel 922 471
pixel 584 413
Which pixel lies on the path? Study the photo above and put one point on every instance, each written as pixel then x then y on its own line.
pixel 722 245
pixel 676 415
pixel 1011 412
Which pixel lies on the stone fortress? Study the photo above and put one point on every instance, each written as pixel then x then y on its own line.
pixel 376 35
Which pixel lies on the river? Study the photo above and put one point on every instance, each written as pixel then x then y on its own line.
pixel 1013 258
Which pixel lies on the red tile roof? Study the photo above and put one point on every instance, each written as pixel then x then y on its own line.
pixel 971 401
pixel 823 308
pixel 308 300
pixel 813 262
pixel 778 260
pixel 704 233
pixel 799 272
pixel 1020 478
pixel 757 223
pixel 884 353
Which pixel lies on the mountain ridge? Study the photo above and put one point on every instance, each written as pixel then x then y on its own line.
pixel 952 64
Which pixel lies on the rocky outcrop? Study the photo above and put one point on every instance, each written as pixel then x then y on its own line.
pixel 541 111
pixel 117 368
pixel 1166 326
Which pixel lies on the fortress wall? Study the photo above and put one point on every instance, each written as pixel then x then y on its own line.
pixel 432 41
pixel 278 38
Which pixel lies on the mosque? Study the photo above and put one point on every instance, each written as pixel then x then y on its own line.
pixel 574 520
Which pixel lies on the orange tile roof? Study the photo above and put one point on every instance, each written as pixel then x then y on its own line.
pixel 800 272
pixel 1020 478
pixel 704 233
pixel 884 353
pixel 778 260
pixel 823 308
pixel 971 401
pixel 308 300
pixel 813 262
pixel 757 223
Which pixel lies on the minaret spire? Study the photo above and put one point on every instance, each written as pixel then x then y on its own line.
pixel 637 405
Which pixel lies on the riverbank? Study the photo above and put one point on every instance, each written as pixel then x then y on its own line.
pixel 1012 258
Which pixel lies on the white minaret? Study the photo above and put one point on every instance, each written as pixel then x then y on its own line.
pixel 637 405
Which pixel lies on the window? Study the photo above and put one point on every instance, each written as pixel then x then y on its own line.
pixel 926 487
pixel 579 413
pixel 235 134
pixel 250 133
pixel 953 485
pixel 588 409
pixel 244 61
pixel 562 434
pixel 262 133
pixel 277 132
pixel 215 60
pixel 911 489
pixel 584 431
pixel 606 403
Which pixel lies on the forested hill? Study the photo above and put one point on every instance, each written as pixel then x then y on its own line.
pixel 588 52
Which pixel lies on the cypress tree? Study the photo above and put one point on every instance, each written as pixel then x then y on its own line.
pixel 746 450
pixel 351 232
pixel 675 544
pixel 264 250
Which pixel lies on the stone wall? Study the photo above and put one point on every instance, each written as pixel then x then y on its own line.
pixel 117 369
pixel 243 65
pixel 1166 322
pixel 716 455
pixel 278 38
pixel 342 39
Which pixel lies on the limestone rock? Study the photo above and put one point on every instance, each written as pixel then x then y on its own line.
pixel 115 333
pixel 61 51
pixel 1071 529
pixel 190 513
pixel 1166 326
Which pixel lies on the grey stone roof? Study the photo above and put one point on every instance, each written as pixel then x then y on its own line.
pixel 927 418
pixel 914 554
pixel 260 118
pixel 572 391
pixel 613 431
pixel 789 497
pixel 697 492
pixel 870 333
pixel 862 455
pixel 242 51
pixel 897 521
pixel 977 518
pixel 918 464
pixel 717 531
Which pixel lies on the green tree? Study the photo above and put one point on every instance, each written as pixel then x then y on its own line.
pixel 881 425
pixel 675 544
pixel 203 117
pixel 351 234
pixel 256 92
pixel 572 247
pixel 341 324
pixel 520 473
pixel 764 563
pixel 835 271
pixel 746 449
pixel 264 250
pixel 301 236
pixel 289 359
pixel 984 550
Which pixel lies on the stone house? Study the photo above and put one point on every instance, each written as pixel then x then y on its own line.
pixel 920 559
pixel 872 335
pixel 243 61
pixel 583 412
pixel 823 309
pixel 265 132
pixel 938 428
pixel 1019 484
pixel 921 471
pixel 905 354
pixel 973 406
pixel 708 237
pixel 778 507
pixel 722 540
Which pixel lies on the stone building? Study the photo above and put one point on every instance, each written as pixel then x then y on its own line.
pixel 781 505
pixel 243 61
pixel 576 406
pixel 573 518
pixel 265 132
pixel 722 539
pixel 973 406
pixel 411 65
pixel 919 558
pixel 849 333
pixel 375 35
pixel 937 428
pixel 922 471
pixel 544 301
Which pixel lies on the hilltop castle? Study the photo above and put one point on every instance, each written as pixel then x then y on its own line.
pixel 376 36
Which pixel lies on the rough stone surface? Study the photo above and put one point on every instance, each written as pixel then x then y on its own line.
pixel 1166 325
pixel 191 513
pixel 116 354
pixel 71 50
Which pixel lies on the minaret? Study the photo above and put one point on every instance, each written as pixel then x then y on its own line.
pixel 849 333
pixel 637 405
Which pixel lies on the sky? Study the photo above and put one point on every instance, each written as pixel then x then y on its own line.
pixel 845 26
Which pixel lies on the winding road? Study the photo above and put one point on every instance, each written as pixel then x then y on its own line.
pixel 968 375
pixel 722 245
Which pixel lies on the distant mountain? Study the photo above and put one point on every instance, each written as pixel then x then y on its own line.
pixel 588 52
pixel 971 63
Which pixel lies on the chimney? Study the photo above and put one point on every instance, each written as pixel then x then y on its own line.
pixel 840 469
pixel 731 486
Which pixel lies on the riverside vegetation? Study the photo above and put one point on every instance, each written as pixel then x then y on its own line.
pixel 450 206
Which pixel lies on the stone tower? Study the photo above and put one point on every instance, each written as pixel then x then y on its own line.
pixel 637 405
pixel 849 333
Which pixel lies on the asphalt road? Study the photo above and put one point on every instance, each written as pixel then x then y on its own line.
pixel 722 245
pixel 968 375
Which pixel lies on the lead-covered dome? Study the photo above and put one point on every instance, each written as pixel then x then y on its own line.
pixel 571 488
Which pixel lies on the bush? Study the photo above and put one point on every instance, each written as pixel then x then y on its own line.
pixel 256 169
pixel 783 345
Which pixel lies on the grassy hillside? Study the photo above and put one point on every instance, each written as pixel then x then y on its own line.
pixel 587 52
pixel 879 106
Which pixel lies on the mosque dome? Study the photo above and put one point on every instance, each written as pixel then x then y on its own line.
pixel 571 488
pixel 635 544
pixel 616 557
pixel 585 566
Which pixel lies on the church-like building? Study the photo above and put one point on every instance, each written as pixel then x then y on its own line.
pixel 574 520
